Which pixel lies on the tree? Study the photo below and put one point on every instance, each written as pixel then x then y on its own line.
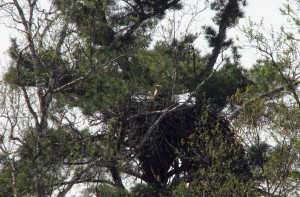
pixel 48 60
pixel 268 118
pixel 91 57
pixel 142 126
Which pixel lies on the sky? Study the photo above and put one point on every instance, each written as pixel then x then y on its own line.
pixel 268 10
pixel 256 10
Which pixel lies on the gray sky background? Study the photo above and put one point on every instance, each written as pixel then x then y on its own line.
pixel 256 10
pixel 268 10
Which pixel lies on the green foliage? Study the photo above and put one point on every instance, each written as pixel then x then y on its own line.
pixel 269 122
pixel 218 164
pixel 101 74
pixel 106 22
pixel 47 156
pixel 141 190
pixel 24 74
pixel 6 189
pixel 224 84
pixel 23 184
pixel 105 90
pixel 211 186
pixel 106 191
pixel 265 76
pixel 226 16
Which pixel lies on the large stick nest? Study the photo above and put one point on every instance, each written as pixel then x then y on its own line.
pixel 175 146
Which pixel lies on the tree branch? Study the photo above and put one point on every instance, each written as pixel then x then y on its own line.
pixel 87 75
pixel 236 112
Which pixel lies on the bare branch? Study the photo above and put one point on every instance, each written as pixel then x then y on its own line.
pixel 236 112
pixel 76 179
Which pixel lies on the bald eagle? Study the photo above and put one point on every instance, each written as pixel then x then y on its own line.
pixel 155 94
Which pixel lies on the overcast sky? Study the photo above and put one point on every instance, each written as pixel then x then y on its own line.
pixel 268 10
pixel 256 10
